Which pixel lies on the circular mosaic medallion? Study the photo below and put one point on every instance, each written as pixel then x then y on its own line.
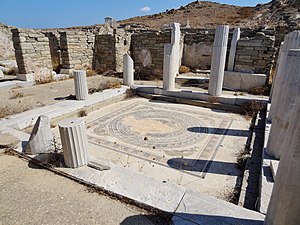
pixel 158 128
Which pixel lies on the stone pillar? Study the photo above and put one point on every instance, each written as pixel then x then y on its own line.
pixel 291 41
pixel 284 206
pixel 235 37
pixel 172 58
pixel 74 142
pixel 81 88
pixel 218 61
pixel 128 70
pixel 170 69
pixel 175 40
pixel 289 92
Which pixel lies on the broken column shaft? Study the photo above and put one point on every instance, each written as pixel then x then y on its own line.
pixel 128 70
pixel 81 88
pixel 74 142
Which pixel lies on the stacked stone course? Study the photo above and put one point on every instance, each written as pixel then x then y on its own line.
pixel 77 49
pixel 32 50
pixel 255 55
pixel 109 51
pixel 148 52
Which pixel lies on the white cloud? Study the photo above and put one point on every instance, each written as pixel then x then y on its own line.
pixel 145 9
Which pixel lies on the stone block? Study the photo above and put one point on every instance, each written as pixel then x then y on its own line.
pixel 253 43
pixel 243 81
pixel 26 77
pixel 41 138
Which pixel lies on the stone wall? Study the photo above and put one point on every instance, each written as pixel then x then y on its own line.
pixel 147 51
pixel 197 50
pixel 255 55
pixel 7 51
pixel 32 50
pixel 77 49
pixel 109 51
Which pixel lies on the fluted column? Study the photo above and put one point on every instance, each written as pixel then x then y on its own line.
pixel 128 70
pixel 81 88
pixel 74 142
pixel 291 41
pixel 218 61
pixel 235 37
pixel 289 91
pixel 284 206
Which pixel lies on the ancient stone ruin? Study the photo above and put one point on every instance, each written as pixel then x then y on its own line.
pixel 183 150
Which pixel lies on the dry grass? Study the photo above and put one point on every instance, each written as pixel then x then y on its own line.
pixel 112 84
pixel 12 71
pixel 251 108
pixel 82 113
pixel 261 90
pixel 14 106
pixel 184 69
pixel 109 84
pixel 17 95
pixel 90 72
pixel 131 93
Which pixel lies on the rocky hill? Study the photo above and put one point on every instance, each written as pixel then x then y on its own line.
pixel 204 14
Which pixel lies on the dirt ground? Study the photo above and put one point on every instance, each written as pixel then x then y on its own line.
pixel 31 195
pixel 20 99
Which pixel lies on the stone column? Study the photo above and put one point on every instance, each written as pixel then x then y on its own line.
pixel 74 142
pixel 291 41
pixel 170 67
pixel 128 70
pixel 235 37
pixel 284 206
pixel 289 92
pixel 172 58
pixel 218 61
pixel 175 40
pixel 81 88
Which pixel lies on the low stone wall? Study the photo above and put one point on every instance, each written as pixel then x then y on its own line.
pixel 255 55
pixel 243 81
pixel 147 51
pixel 32 50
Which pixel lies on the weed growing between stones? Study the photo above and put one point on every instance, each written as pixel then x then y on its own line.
pixel 251 108
pixel 82 113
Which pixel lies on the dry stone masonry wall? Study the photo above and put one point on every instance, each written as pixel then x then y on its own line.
pixel 198 49
pixel 255 55
pixel 103 50
pixel 147 51
pixel 77 49
pixel 7 51
pixel 109 51
pixel 32 50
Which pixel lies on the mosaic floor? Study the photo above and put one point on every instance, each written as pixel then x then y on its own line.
pixel 177 137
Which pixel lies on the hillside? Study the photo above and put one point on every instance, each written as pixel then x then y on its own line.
pixel 205 14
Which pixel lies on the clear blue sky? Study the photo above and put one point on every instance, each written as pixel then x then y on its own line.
pixel 65 13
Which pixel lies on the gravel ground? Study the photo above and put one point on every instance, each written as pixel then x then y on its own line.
pixel 31 195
